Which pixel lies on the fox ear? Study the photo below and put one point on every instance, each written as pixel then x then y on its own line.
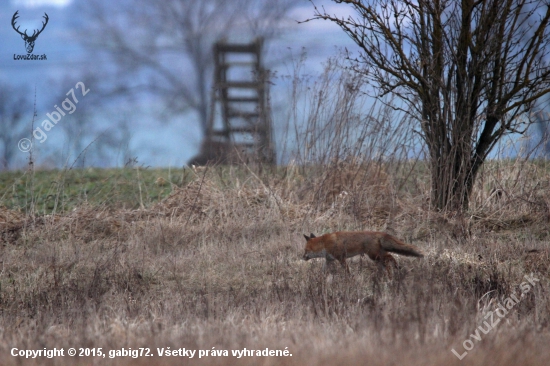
pixel 311 236
pixel 307 237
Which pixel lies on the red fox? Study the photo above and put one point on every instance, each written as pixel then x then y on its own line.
pixel 345 244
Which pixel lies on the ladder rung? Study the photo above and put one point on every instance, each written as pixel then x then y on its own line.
pixel 246 115
pixel 243 99
pixel 238 48
pixel 241 84
pixel 255 129
pixel 245 144
pixel 228 64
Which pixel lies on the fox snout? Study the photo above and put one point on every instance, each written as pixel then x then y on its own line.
pixel 307 253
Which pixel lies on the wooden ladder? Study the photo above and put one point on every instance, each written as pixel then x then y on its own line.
pixel 240 101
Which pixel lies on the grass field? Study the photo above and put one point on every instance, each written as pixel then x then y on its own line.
pixel 209 260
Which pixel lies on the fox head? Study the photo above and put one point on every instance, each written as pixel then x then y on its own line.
pixel 312 250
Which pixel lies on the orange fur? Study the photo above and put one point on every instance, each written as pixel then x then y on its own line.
pixel 345 244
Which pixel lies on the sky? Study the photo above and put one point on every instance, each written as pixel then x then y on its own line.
pixel 154 143
pixel 149 135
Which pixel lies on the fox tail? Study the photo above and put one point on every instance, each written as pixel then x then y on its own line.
pixel 394 245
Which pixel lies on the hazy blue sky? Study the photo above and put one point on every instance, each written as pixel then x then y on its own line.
pixel 153 137
pixel 156 143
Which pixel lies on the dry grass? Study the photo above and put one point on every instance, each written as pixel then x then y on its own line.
pixel 217 264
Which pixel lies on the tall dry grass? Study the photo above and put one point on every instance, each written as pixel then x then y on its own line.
pixel 217 263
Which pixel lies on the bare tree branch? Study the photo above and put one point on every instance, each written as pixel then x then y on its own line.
pixel 466 70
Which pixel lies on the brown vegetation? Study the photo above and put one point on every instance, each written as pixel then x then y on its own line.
pixel 217 264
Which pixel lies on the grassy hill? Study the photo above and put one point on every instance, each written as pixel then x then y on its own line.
pixel 208 259
pixel 63 190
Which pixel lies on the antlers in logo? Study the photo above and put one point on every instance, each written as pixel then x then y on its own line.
pixel 29 40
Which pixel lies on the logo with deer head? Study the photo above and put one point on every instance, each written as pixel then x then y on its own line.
pixel 29 40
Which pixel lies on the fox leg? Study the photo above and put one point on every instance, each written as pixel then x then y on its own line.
pixel 344 264
pixel 380 264
pixel 387 260
pixel 328 265
pixel 383 262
